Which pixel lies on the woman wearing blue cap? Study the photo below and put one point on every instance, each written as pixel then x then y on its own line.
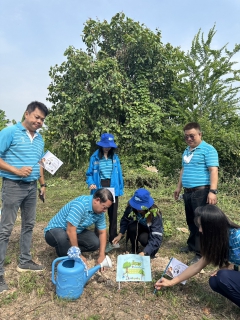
pixel 146 228
pixel 105 171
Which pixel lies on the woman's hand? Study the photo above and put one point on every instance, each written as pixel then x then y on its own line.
pixel 92 186
pixel 117 239
pixel 163 283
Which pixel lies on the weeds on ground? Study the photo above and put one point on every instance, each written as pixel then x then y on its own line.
pixel 197 292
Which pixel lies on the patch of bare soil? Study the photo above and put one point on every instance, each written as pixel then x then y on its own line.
pixel 102 298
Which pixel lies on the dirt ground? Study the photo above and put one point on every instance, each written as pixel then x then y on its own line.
pixel 102 298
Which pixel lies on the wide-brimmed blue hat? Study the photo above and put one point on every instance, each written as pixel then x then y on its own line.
pixel 107 141
pixel 141 198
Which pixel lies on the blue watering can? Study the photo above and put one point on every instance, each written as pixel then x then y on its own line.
pixel 72 276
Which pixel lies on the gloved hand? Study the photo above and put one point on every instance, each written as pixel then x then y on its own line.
pixel 74 252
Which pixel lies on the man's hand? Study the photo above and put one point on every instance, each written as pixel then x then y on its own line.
pixel 212 198
pixel 83 259
pixel 176 193
pixel 24 172
pixel 100 260
pixel 92 187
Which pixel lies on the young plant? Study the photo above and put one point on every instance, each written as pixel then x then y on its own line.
pixel 149 211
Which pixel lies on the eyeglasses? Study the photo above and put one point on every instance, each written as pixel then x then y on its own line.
pixel 189 136
pixel 104 207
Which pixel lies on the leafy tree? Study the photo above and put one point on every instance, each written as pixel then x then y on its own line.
pixel 119 85
pixel 3 121
pixel 128 83
pixel 206 91
pixel 127 265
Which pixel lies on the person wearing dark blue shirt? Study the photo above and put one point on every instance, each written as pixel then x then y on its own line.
pixel 142 220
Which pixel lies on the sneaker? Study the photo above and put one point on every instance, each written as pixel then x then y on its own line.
pixel 185 249
pixel 30 266
pixel 195 259
pixel 110 247
pixel 3 285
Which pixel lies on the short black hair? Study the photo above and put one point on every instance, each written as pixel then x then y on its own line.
pixel 192 125
pixel 103 194
pixel 34 105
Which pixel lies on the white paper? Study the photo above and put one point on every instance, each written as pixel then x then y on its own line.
pixel 50 162
pixel 175 268
pixel 112 190
pixel 133 267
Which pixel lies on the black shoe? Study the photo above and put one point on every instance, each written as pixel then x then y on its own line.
pixel 30 266
pixel 195 259
pixel 185 249
pixel 3 285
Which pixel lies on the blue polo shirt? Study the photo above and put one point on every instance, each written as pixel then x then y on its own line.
pixel 105 167
pixel 17 149
pixel 79 213
pixel 234 246
pixel 195 171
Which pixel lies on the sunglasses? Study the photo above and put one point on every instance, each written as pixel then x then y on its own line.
pixel 189 136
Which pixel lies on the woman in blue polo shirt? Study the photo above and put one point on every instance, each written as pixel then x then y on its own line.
pixel 105 171
pixel 220 246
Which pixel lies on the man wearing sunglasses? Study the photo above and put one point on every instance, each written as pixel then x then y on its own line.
pixel 199 178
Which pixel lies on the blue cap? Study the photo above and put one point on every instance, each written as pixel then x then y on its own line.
pixel 141 198
pixel 107 141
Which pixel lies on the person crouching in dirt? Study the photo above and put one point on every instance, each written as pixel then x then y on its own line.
pixel 143 222
pixel 68 230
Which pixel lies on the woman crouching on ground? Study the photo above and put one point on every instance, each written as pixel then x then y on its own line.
pixel 220 246
pixel 143 222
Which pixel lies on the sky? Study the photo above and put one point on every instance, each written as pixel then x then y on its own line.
pixel 35 33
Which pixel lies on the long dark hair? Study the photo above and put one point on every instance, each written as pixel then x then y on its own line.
pixel 214 238
pixel 110 153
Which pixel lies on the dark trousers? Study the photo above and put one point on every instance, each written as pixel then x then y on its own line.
pixel 137 232
pixel 15 195
pixel 192 200
pixel 58 238
pixel 227 283
pixel 112 213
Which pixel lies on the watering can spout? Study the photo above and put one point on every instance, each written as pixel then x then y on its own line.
pixel 106 263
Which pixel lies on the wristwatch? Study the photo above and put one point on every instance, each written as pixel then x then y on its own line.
pixel 43 185
pixel 213 191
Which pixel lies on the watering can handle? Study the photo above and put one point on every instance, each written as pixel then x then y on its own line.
pixel 53 267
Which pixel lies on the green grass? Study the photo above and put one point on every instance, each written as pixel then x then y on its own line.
pixel 197 292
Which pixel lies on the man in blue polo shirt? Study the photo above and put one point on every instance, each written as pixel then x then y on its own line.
pixel 68 228
pixel 199 178
pixel 21 147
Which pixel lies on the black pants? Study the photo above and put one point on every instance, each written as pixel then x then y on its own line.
pixel 58 238
pixel 192 200
pixel 112 213
pixel 227 283
pixel 137 232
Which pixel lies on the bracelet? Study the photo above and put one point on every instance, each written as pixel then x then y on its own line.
pixel 43 185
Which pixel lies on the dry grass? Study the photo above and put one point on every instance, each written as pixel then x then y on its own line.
pixel 32 296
